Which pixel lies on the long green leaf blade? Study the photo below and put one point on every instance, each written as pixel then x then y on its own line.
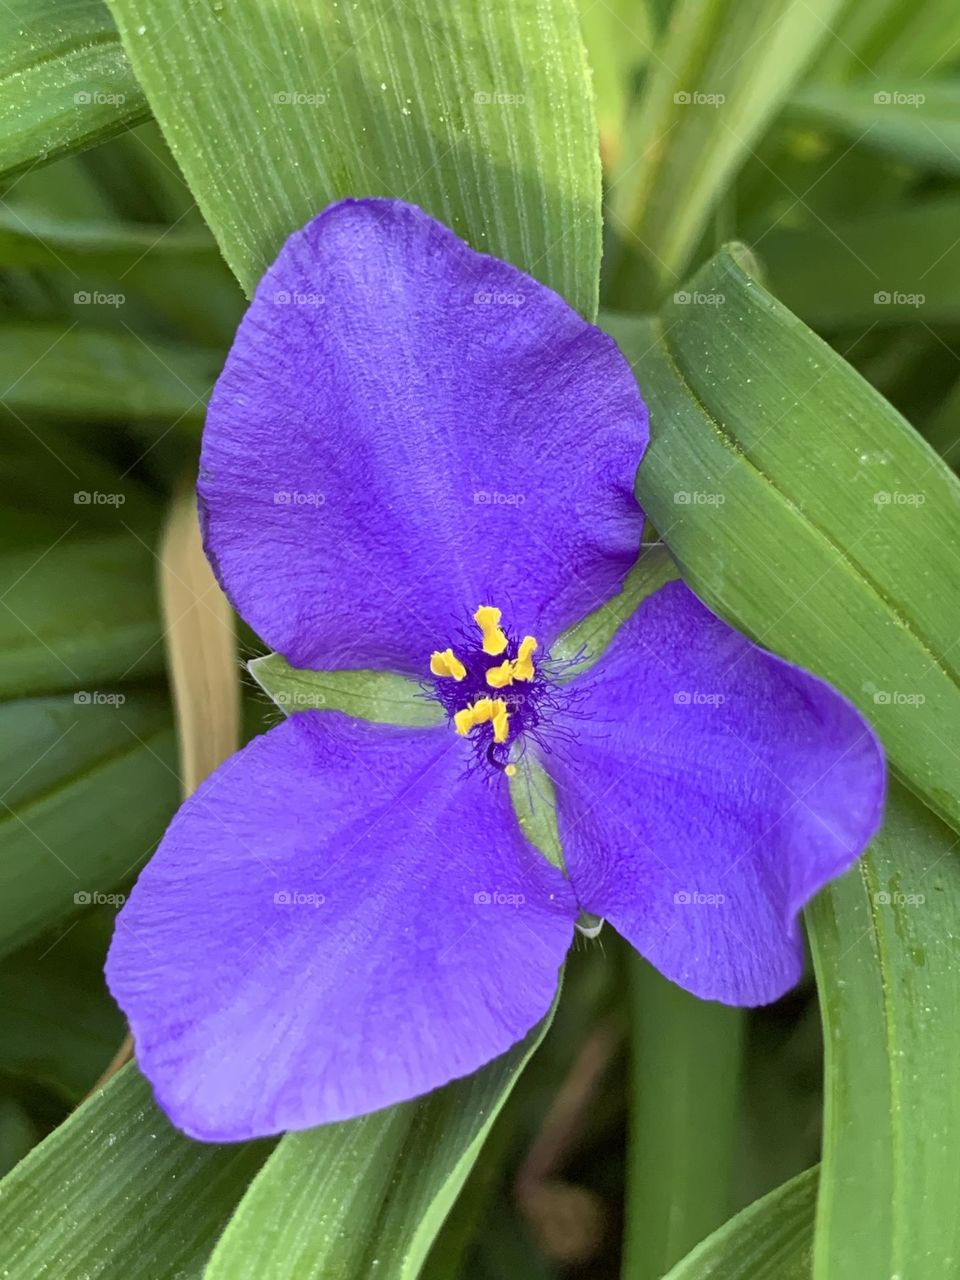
pixel 68 831
pixel 895 38
pixel 769 1240
pixel 482 116
pixel 65 82
pixel 917 122
pixel 684 1096
pixel 723 72
pixel 133 1197
pixel 894 267
pixel 78 614
pixel 31 239
pixel 887 953
pixel 112 376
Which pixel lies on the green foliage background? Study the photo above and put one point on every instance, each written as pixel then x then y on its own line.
pixel 762 197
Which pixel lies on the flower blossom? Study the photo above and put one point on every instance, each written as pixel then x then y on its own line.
pixel 419 460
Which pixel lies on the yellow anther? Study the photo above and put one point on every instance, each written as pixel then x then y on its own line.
pixel 511 770
pixel 447 664
pixel 501 721
pixel 475 714
pixel 520 669
pixel 523 666
pixel 488 620
pixel 483 711
pixel 499 677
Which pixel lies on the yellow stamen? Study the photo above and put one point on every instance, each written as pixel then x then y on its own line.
pixel 483 711
pixel 523 666
pixel 511 770
pixel 501 721
pixel 498 677
pixel 488 620
pixel 475 714
pixel 447 664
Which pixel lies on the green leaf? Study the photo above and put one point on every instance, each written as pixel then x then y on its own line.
pixel 887 952
pixel 65 82
pixel 892 38
pixel 43 473
pixel 943 427
pixel 58 1026
pixel 132 1196
pixel 724 69
pixel 69 831
pixel 618 37
pixel 32 239
pixel 368 695
pixel 346 1199
pixel 683 1107
pixel 119 219
pixel 803 508
pixel 769 1240
pixel 896 266
pixel 483 117
pixel 81 373
pixel 918 122
pixel 80 614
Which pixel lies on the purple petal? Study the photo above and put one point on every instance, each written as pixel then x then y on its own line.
pixel 405 430
pixel 711 790
pixel 336 921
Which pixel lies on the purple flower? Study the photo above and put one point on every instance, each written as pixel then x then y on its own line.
pixel 419 460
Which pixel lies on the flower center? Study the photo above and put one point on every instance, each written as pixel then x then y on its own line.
pixel 490 687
